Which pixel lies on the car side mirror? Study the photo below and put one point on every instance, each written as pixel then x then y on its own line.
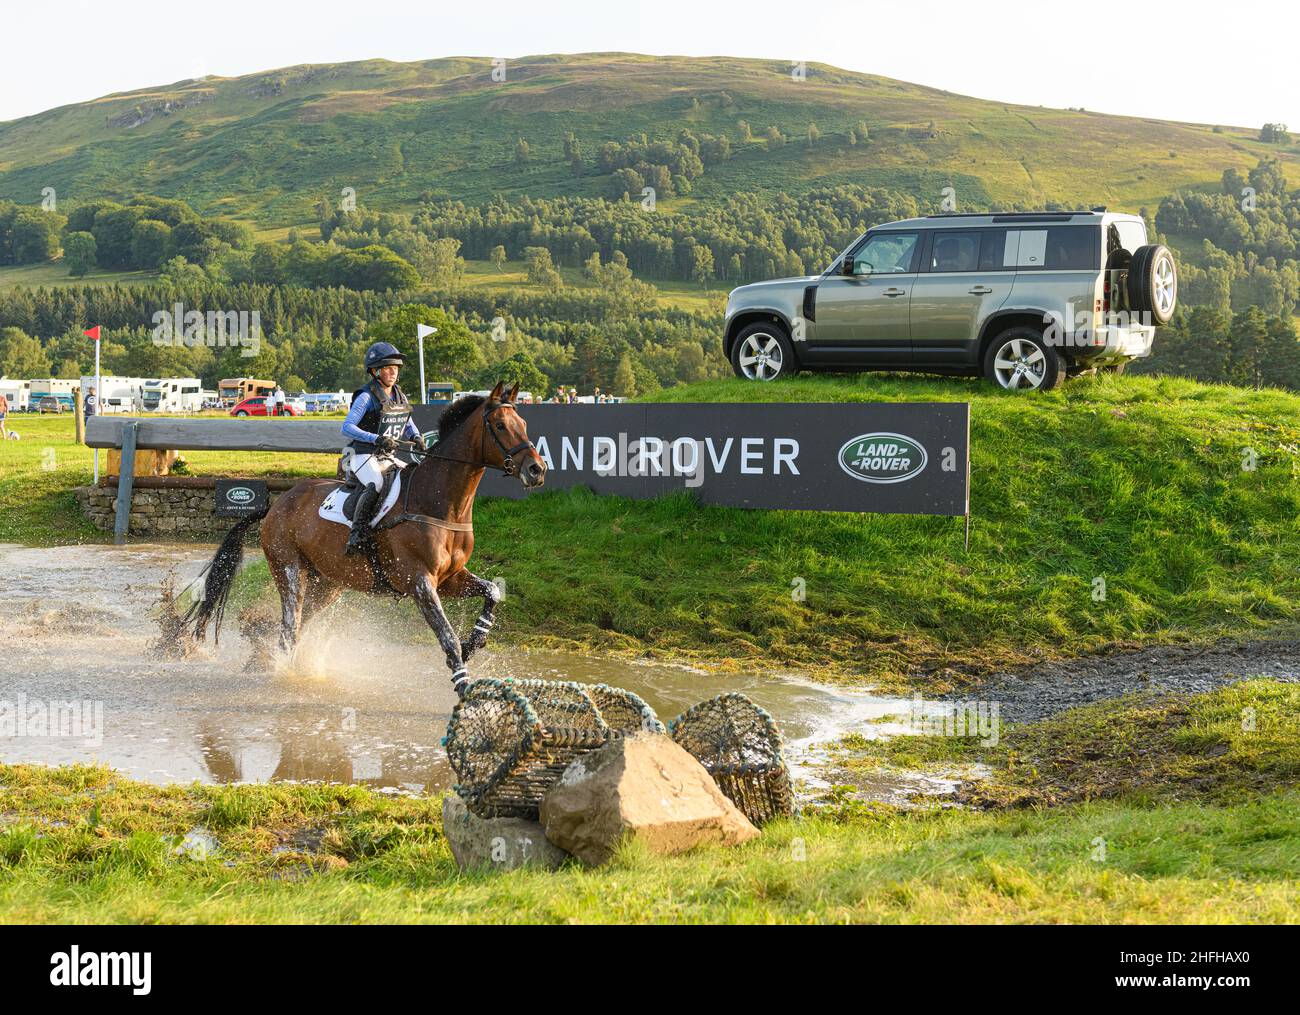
pixel 846 267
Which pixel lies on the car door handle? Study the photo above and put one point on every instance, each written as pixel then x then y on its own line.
pixel 980 290
pixel 895 292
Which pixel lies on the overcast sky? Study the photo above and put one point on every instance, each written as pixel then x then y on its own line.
pixel 1232 64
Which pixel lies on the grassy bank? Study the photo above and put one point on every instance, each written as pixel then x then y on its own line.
pixel 38 474
pixel 82 845
pixel 1134 482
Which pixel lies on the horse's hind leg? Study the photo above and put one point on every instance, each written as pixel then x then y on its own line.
pixel 320 593
pixel 426 597
pixel 462 585
pixel 291 577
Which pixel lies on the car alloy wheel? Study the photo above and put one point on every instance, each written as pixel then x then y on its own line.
pixel 1166 286
pixel 1019 365
pixel 761 358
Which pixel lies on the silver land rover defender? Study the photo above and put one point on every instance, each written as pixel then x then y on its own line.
pixel 1027 299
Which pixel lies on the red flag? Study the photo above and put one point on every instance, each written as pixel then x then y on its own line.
pixel 92 332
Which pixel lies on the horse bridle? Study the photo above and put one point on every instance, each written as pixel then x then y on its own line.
pixel 507 466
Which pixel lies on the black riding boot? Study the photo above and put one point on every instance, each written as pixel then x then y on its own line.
pixel 367 504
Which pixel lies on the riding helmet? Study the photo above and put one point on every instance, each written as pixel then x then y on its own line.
pixel 381 354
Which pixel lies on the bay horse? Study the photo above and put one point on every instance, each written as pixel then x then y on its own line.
pixel 419 551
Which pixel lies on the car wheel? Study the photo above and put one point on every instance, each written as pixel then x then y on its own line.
pixel 1153 283
pixel 1020 359
pixel 762 352
pixel 241 412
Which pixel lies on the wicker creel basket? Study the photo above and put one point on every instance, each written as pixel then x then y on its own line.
pixel 739 744
pixel 509 741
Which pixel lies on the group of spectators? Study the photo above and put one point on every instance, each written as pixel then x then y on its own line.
pixel 275 402
pixel 568 396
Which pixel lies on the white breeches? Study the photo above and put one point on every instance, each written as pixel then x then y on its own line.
pixel 370 469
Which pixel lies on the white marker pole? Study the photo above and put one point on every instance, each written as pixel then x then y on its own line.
pixel 98 389
pixel 420 331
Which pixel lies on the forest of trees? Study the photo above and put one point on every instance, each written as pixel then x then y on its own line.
pixel 167 236
pixel 1248 348
pixel 314 338
pixel 319 302
pixel 1249 242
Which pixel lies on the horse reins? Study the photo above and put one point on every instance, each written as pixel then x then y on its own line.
pixel 507 466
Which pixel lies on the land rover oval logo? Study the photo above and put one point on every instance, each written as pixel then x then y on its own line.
pixel 882 457
pixel 240 495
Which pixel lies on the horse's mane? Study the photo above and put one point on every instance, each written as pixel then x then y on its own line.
pixel 456 414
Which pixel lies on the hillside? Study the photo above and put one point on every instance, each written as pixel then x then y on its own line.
pixel 265 147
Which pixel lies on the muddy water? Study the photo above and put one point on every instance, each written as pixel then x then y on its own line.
pixel 77 624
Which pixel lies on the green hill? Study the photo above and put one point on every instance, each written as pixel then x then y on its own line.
pixel 265 147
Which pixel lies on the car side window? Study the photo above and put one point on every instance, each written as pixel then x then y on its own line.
pixel 1060 248
pixel 955 251
pixel 1131 235
pixel 993 251
pixel 886 254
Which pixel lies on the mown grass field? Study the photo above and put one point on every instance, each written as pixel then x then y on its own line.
pixel 1136 481
pixel 81 844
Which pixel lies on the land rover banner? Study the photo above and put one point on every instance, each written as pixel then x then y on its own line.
pixel 889 457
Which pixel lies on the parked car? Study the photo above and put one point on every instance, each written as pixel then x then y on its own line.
pixel 1026 299
pixel 48 403
pixel 257 407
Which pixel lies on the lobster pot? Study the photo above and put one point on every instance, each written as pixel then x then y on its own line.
pixel 622 710
pixel 739 745
pixel 509 741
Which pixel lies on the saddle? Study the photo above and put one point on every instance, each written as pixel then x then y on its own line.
pixel 340 504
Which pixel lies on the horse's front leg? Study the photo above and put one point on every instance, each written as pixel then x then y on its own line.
pixel 426 597
pixel 463 585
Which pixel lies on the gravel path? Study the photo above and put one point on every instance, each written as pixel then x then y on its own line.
pixel 1042 690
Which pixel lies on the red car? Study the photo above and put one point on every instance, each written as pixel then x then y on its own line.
pixel 257 407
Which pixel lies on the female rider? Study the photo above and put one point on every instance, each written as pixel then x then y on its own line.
pixel 380 416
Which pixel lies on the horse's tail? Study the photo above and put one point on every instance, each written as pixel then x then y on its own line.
pixel 221 571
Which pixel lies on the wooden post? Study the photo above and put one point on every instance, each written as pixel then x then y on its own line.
pixel 125 480
pixel 77 416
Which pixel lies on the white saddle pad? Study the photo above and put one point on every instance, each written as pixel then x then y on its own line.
pixel 331 508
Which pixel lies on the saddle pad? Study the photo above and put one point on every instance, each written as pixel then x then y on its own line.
pixel 331 508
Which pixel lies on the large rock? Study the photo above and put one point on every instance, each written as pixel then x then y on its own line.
pixel 496 843
pixel 641 786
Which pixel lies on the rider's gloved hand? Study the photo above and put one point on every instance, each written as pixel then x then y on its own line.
pixel 386 444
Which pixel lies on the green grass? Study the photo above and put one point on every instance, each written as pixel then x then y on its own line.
pixel 55 274
pixel 1224 746
pixel 38 474
pixel 1135 480
pixel 81 844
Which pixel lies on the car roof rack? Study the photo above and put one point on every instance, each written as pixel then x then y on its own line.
pixel 1017 216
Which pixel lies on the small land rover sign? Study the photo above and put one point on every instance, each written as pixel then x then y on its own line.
pixel 883 457
pixel 236 498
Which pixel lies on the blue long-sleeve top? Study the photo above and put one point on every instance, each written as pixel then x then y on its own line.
pixel 360 406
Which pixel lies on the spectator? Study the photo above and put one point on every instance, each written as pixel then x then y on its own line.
pixel 4 411
pixel 279 400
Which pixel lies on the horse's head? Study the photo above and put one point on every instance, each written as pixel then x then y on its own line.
pixel 506 445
